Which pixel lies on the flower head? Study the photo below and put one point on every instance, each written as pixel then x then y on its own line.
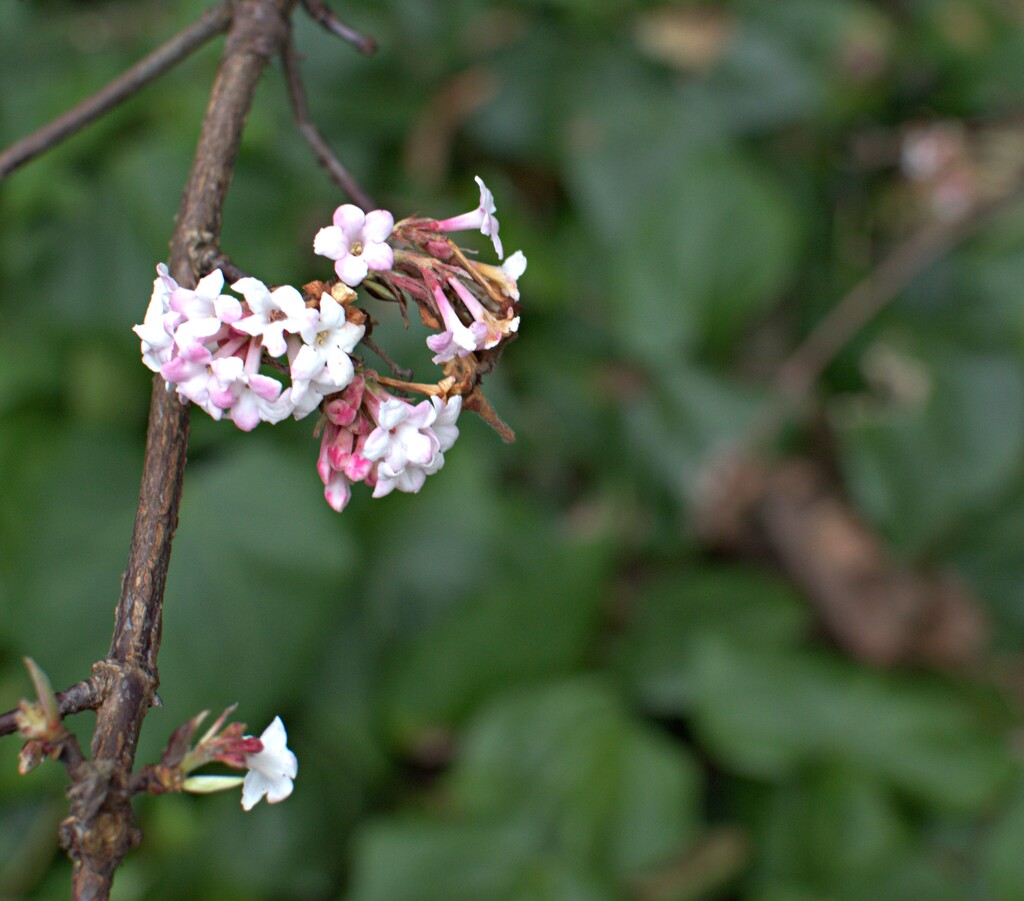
pixel 272 770
pixel 356 242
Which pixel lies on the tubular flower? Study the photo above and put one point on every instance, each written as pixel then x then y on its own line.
pixel 456 339
pixel 482 218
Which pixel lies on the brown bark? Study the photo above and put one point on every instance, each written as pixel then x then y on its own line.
pixel 875 608
pixel 101 827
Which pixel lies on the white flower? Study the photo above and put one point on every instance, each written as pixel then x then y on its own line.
pixel 273 313
pixel 405 446
pixel 356 242
pixel 272 770
pixel 324 357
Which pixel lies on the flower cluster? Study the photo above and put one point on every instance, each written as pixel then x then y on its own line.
pixel 227 353
pixel 210 346
pixel 373 437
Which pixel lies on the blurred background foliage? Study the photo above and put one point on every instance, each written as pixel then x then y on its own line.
pixel 536 680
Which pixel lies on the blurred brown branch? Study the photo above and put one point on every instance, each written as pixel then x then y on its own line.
pixel 878 610
pixel 326 157
pixel 165 57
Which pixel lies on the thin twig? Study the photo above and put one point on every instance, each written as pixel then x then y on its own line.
pixel 322 15
pixel 797 376
pixel 81 696
pixel 321 149
pixel 162 59
pixel 398 371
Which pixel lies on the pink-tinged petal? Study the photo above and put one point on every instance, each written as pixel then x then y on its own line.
pixel 485 337
pixel 264 386
pixel 358 467
pixel 490 228
pixel 227 308
pixel 421 415
pixel 385 485
pixel 244 413
pixel 411 480
pixel 379 224
pixel 176 369
pixel 391 412
pixel 377 443
pixel 486 197
pixel 222 397
pixel 330 242
pixel 444 346
pixel 338 492
pixel 379 257
pixel 444 425
pixel 351 270
pixel 420 448
pixel 349 219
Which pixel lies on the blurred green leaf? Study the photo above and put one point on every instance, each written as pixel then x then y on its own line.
pixel 917 469
pixel 768 713
pixel 537 622
pixel 1001 860
pixel 426 860
pixel 606 790
pixel 674 615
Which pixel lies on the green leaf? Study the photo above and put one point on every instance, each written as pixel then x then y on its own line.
pixel 766 714
pixel 713 249
pixel 689 417
pixel 830 827
pixel 609 792
pixel 1001 867
pixel 918 470
pixel 675 614
pixel 426 860
pixel 535 621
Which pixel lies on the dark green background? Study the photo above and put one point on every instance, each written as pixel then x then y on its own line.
pixel 529 681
